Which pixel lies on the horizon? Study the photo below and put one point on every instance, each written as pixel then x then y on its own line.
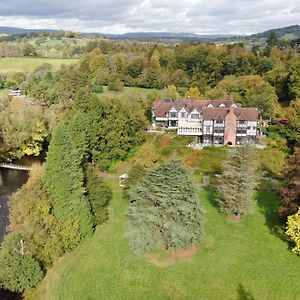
pixel 118 17
pixel 151 32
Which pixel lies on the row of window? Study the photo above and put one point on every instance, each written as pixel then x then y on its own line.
pixel 183 115
pixel 189 129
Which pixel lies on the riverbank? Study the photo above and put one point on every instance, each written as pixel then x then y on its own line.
pixel 10 182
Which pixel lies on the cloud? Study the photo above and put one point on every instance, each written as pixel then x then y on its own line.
pixel 119 16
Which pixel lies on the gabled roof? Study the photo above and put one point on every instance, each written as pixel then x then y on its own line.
pixel 162 106
pixel 242 113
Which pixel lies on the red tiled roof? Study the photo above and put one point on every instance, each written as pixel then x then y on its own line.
pixel 242 113
pixel 162 106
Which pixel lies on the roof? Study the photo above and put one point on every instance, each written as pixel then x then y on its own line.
pixel 242 113
pixel 162 106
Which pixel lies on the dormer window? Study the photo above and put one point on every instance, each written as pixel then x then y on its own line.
pixel 219 121
pixel 173 115
pixel 210 105
pixel 234 105
pixel 222 105
pixel 194 116
pixel 182 115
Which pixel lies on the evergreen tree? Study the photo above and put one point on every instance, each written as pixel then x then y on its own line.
pixel 164 210
pixel 99 195
pixel 237 182
pixel 64 182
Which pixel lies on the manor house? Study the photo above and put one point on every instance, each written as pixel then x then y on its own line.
pixel 221 122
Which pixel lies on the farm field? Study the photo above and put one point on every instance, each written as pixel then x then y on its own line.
pixel 28 64
pixel 235 260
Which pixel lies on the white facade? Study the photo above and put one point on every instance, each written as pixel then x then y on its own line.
pixel 189 123
pixel 213 130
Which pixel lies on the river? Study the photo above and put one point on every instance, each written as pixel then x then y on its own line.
pixel 10 181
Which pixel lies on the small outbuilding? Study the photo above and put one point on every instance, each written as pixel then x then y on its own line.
pixel 122 180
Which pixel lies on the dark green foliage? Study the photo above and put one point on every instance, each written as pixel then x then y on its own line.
pixel 237 182
pixel 97 88
pixel 135 175
pixel 64 182
pixel 99 195
pixel 19 271
pixel 164 210
pixel 112 130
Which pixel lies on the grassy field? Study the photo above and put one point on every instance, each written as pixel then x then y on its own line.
pixel 241 260
pixel 28 64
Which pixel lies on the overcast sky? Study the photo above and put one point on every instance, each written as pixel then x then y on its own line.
pixel 120 16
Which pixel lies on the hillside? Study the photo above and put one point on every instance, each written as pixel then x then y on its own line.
pixel 16 30
pixel 290 32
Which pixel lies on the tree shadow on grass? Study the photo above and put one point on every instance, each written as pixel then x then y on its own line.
pixel 267 204
pixel 212 196
pixel 243 294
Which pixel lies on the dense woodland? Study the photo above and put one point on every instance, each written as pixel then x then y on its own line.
pixel 68 114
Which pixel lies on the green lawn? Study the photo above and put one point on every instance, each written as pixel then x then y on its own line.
pixel 28 64
pixel 235 261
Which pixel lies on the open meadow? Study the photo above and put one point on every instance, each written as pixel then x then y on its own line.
pixel 235 260
pixel 28 64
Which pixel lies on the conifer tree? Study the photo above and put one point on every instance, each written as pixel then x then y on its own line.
pixel 237 182
pixel 64 182
pixel 164 210
pixel 99 195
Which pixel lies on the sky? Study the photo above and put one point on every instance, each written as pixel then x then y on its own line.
pixel 120 16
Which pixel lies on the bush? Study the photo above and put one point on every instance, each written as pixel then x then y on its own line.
pixel 271 161
pixel 97 89
pixel 116 85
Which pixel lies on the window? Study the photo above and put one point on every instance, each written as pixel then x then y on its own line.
pixel 242 131
pixel 194 116
pixel 242 122
pixel 182 115
pixel 219 121
pixel 207 128
pixel 173 115
pixel 218 130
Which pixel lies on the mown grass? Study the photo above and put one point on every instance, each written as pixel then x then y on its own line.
pixel 243 260
pixel 28 64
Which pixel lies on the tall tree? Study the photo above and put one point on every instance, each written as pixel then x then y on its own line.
pixel 164 210
pixel 64 181
pixel 237 182
pixel 99 195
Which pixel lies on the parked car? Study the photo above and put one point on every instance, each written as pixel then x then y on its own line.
pixel 284 121
pixel 274 122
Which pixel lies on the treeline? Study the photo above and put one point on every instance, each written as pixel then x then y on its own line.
pixel 60 44
pixel 7 50
pixel 63 203
pixel 215 70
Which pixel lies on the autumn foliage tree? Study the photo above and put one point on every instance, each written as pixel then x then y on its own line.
pixel 293 230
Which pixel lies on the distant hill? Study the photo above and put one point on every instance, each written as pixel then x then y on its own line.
pixel 290 32
pixel 147 36
pixel 16 30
